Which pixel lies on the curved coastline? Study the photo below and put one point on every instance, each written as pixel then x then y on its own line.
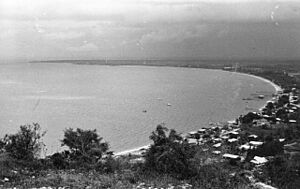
pixel 137 150
pixel 276 87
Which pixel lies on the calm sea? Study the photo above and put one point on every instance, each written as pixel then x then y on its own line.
pixel 124 103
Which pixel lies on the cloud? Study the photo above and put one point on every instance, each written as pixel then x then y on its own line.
pixel 175 34
pixel 67 35
pixel 146 10
pixel 142 28
pixel 89 47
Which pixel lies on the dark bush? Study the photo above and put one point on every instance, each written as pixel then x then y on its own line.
pixel 169 153
pixel 283 99
pixel 7 164
pixel 26 144
pixel 270 106
pixel 282 113
pixel 217 176
pixel 60 160
pixel 269 148
pixel 283 172
pixel 86 146
pixel 248 118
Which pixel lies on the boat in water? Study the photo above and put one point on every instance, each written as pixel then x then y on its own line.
pixel 261 96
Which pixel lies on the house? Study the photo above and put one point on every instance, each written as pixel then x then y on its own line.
pixel 232 140
pixel 217 145
pixel 233 158
pixel 245 147
pixel 255 143
pixel 259 160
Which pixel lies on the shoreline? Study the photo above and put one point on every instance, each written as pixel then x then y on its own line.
pixel 133 151
pixel 276 87
pixel 138 150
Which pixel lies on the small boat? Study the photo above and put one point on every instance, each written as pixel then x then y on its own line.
pixel 169 104
pixel 144 111
pixel 261 96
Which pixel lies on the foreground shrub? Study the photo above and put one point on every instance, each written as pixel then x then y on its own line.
pixel 169 153
pixel 24 145
pixel 218 176
pixel 86 146
pixel 284 172
pixel 60 160
pixel 7 164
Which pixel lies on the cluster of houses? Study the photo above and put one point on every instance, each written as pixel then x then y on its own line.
pixel 230 142
pixel 221 138
pixel 283 108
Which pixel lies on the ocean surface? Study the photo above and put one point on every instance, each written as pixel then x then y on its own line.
pixel 124 103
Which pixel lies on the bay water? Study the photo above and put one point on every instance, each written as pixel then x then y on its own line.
pixel 124 103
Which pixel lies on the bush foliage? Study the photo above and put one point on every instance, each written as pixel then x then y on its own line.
pixel 24 145
pixel 283 172
pixel 169 153
pixel 85 145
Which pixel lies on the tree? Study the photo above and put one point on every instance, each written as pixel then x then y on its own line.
pixel 283 99
pixel 197 137
pixel 270 106
pixel 26 144
pixel 85 145
pixel 169 153
pixel 282 113
pixel 248 118
pixel 159 136
pixel 283 172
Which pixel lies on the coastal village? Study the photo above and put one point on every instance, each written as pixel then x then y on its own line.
pixel 234 141
pixel 218 140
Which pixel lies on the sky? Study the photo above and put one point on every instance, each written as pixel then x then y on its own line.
pixel 147 29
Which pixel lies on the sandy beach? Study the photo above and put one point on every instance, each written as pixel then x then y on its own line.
pixel 134 151
pixel 276 87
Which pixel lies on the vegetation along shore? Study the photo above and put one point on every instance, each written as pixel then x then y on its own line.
pixel 257 150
